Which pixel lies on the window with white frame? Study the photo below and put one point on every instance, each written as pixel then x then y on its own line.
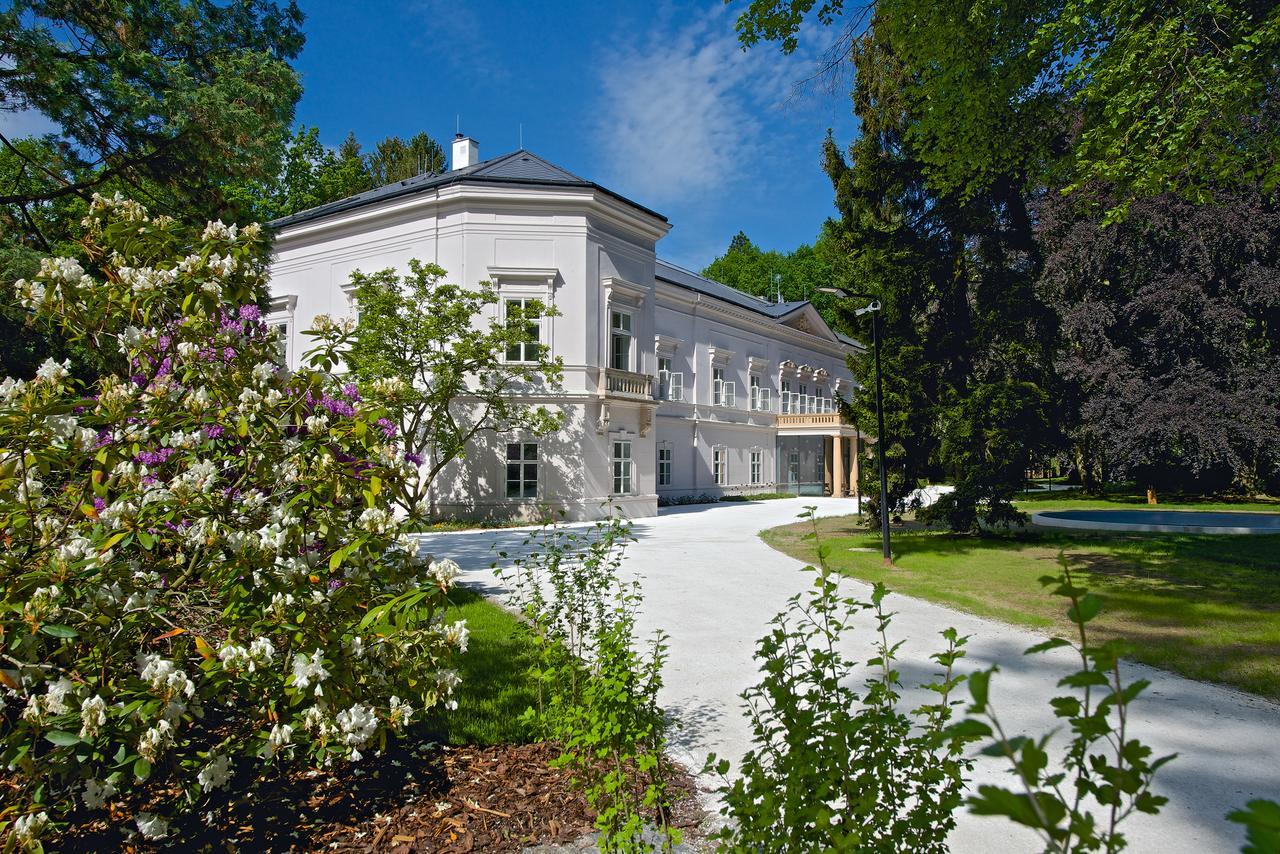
pixel 280 321
pixel 723 392
pixel 622 467
pixel 759 395
pixel 757 466
pixel 620 341
pixel 529 347
pixel 788 404
pixel 522 469
pixel 664 465
pixel 720 466
pixel 670 383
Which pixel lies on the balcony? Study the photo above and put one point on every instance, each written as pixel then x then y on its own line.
pixel 628 385
pixel 810 419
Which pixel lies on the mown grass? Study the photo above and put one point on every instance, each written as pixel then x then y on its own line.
pixel 1207 607
pixel 496 686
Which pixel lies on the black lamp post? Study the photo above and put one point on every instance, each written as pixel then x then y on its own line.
pixel 874 309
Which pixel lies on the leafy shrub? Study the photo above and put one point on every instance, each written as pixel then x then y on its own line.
pixel 597 685
pixel 200 565
pixel 831 769
pixel 1104 765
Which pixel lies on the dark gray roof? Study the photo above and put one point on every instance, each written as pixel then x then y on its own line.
pixel 518 167
pixel 668 272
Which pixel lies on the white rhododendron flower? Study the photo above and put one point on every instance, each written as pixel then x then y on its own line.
pixel 307 670
pixel 93 716
pixel 216 774
pixel 51 371
pixel 29 827
pixel 152 826
pixel 96 794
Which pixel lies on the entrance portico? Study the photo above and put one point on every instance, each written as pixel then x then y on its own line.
pixel 842 448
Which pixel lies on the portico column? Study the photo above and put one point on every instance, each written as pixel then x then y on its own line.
pixel 855 455
pixel 837 468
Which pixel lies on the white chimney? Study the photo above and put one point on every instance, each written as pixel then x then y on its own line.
pixel 466 152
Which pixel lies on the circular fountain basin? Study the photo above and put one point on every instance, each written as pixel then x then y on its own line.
pixel 1161 521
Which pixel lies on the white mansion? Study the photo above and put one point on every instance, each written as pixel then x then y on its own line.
pixel 674 385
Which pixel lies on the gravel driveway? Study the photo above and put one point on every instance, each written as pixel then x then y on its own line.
pixel 713 586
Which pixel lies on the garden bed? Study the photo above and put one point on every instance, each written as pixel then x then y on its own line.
pixel 414 798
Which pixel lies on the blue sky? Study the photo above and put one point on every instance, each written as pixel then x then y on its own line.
pixel 655 101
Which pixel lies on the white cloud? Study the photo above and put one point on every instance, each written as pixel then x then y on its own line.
pixel 15 125
pixel 684 113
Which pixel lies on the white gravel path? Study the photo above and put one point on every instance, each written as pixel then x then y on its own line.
pixel 713 586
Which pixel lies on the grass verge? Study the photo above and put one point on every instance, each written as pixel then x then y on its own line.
pixel 1207 607
pixel 496 685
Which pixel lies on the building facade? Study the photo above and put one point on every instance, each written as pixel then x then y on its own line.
pixel 674 386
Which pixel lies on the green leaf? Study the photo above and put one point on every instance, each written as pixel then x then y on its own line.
pixel 61 738
pixel 58 631
pixel 142 769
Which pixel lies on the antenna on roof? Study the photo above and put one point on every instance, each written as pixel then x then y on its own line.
pixel 457 123
pixel 777 284
pixel 522 136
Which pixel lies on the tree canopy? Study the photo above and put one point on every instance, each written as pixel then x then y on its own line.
pixel 171 100
pixel 1148 96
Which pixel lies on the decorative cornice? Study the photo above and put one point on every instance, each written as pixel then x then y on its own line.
pixel 665 345
pixel 283 303
pixel 547 275
pixel 626 288
pixel 719 355
pixel 757 364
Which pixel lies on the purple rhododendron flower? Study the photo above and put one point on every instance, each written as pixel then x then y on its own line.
pixel 388 429
pixel 250 312
pixel 154 458
pixel 351 392
pixel 413 458
pixel 214 431
pixel 336 583
pixel 99 504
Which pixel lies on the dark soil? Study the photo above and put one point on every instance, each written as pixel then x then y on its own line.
pixel 421 798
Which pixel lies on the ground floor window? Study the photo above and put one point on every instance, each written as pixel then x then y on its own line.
pixel 622 468
pixel 720 466
pixel 757 466
pixel 664 466
pixel 522 469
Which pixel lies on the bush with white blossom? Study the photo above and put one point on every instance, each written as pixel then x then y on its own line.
pixel 201 573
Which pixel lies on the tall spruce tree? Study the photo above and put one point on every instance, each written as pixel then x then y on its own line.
pixel 967 343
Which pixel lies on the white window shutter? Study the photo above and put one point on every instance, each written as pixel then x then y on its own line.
pixel 730 392
pixel 676 387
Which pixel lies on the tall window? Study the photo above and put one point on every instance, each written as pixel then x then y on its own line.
pixel 528 348
pixel 759 395
pixel 522 469
pixel 722 392
pixel 664 466
pixel 757 466
pixel 788 403
pixel 622 468
pixel 720 466
pixel 620 340
pixel 280 329
pixel 670 383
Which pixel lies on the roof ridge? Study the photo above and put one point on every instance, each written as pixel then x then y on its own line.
pixel 764 300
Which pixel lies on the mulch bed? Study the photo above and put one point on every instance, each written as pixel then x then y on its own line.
pixel 413 798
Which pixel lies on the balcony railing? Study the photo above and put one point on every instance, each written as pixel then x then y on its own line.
pixel 814 419
pixel 628 384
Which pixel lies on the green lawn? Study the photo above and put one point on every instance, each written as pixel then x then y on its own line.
pixel 496 687
pixel 1207 607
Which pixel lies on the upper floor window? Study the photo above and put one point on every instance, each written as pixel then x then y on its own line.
pixel 759 395
pixel 723 392
pixel 279 320
pixel 670 383
pixel 529 347
pixel 757 466
pixel 620 341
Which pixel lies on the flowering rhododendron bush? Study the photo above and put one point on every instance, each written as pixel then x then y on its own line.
pixel 201 572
